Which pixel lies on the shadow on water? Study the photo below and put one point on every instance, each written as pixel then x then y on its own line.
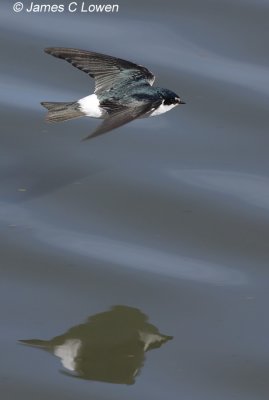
pixel 108 347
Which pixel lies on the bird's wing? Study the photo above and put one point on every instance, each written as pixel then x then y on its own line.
pixel 106 70
pixel 121 115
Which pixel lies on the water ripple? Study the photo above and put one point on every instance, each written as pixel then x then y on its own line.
pixel 248 188
pixel 123 253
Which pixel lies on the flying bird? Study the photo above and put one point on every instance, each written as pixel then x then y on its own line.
pixel 123 91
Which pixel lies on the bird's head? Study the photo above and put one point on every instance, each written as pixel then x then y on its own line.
pixel 170 97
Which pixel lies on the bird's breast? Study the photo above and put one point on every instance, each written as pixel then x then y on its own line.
pixel 163 108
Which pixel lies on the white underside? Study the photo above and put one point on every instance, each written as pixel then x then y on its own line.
pixel 68 352
pixel 162 109
pixel 89 105
pixel 149 338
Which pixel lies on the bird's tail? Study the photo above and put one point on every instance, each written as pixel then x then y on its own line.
pixel 58 112
pixel 34 342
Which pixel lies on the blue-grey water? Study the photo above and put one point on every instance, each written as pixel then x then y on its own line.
pixel 165 219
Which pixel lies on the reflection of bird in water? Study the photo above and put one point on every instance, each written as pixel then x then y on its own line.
pixel 108 347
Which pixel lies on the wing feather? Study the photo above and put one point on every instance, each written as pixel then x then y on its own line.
pixel 106 70
pixel 121 116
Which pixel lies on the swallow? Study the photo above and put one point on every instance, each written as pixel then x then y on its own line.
pixel 123 91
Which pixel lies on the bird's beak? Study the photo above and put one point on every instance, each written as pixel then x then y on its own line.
pixel 181 102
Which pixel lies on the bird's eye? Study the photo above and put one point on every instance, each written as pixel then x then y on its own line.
pixel 168 102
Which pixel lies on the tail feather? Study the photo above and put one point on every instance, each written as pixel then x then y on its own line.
pixel 58 112
pixel 34 342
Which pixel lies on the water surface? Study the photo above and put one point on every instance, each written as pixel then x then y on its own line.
pixel 166 218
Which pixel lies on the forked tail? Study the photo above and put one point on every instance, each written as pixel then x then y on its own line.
pixel 58 112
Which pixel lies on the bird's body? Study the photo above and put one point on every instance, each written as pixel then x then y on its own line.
pixel 91 106
pixel 123 91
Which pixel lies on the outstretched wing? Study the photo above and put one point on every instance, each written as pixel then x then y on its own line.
pixel 106 70
pixel 121 116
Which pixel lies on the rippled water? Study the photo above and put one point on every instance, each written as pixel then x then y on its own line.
pixel 152 237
